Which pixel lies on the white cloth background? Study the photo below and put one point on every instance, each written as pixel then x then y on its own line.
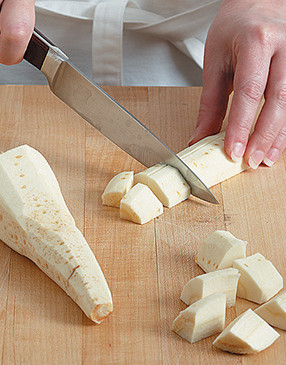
pixel 121 42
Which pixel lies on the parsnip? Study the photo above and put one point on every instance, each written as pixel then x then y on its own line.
pixel 201 319
pixel 117 187
pixel 219 250
pixel 259 280
pixel 220 281
pixel 247 334
pixel 166 183
pixel 35 222
pixel 206 158
pixel 209 161
pixel 140 205
pixel 274 311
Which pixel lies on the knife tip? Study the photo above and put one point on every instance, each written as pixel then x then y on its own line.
pixel 205 195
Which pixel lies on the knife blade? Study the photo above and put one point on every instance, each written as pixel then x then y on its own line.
pixel 104 113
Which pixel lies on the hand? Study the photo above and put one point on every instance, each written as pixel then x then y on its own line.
pixel 17 20
pixel 246 52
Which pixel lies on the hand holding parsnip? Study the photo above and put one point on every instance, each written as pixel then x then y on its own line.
pixel 245 53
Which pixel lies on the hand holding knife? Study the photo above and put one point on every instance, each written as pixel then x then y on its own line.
pixel 104 113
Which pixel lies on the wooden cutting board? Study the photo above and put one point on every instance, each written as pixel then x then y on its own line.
pixel 145 266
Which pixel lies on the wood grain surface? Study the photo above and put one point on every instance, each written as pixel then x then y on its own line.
pixel 145 266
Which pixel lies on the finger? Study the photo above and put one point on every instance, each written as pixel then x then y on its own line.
pixel 250 77
pixel 277 148
pixel 17 19
pixel 217 86
pixel 272 115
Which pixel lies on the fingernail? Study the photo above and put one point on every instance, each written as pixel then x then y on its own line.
pixel 256 159
pixel 193 136
pixel 237 152
pixel 271 157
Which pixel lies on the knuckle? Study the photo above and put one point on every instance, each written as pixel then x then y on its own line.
pixel 203 110
pixel 214 110
pixel 266 136
pixel 243 129
pixel 261 33
pixel 252 90
pixel 282 134
pixel 280 96
pixel 17 33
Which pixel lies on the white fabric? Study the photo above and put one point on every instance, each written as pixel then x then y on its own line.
pixel 135 42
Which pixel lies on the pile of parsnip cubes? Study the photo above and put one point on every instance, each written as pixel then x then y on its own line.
pixel 229 273
pixel 141 197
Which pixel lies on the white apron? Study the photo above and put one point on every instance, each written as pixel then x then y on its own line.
pixel 121 42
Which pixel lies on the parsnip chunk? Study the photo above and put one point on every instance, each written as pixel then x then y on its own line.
pixel 274 311
pixel 247 334
pixel 166 182
pixel 259 280
pixel 220 281
pixel 219 250
pixel 201 319
pixel 117 187
pixel 140 205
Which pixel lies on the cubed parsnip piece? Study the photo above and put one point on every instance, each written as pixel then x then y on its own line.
pixel 35 222
pixel 247 334
pixel 259 280
pixel 201 319
pixel 117 187
pixel 209 161
pixel 219 250
pixel 166 182
pixel 140 205
pixel 274 311
pixel 220 281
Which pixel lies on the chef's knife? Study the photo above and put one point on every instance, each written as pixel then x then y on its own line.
pixel 104 113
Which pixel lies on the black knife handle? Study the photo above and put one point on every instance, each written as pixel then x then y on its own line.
pixel 37 49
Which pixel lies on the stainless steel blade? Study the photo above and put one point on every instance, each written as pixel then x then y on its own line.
pixel 115 122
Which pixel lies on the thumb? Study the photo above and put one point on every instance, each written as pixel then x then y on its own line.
pixel 213 103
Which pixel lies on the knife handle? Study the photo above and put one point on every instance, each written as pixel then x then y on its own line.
pixel 37 49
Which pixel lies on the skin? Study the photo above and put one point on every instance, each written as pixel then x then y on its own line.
pixel 17 20
pixel 246 53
